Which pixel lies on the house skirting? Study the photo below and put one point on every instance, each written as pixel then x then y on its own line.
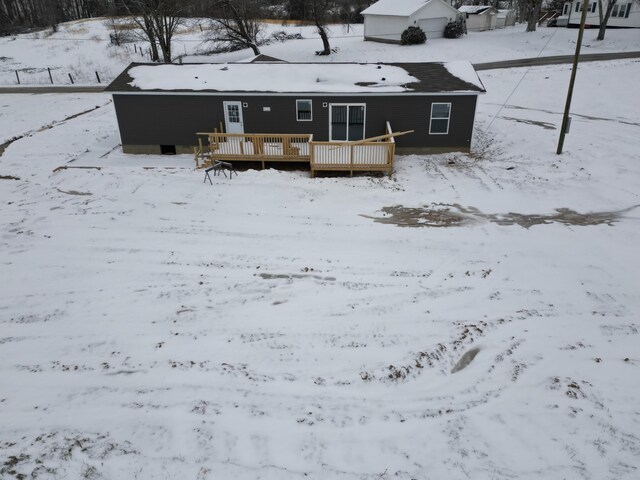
pixel 155 149
pixel 188 149
pixel 429 150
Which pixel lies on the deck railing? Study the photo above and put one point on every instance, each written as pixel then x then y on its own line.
pixel 353 156
pixel 328 156
pixel 255 147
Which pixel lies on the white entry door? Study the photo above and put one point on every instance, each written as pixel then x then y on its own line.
pixel 233 117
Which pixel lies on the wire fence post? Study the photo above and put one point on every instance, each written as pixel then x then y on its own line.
pixel 50 77
pixel 71 78
pixel 98 77
pixel 18 77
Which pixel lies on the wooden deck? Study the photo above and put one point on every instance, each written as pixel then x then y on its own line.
pixel 363 156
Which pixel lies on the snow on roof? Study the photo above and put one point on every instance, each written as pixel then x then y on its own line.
pixel 395 7
pixel 474 8
pixel 465 72
pixel 273 77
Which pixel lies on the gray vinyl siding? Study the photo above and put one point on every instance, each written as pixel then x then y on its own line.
pixel 148 119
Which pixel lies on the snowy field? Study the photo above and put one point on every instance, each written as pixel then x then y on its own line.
pixel 275 326
pixel 82 48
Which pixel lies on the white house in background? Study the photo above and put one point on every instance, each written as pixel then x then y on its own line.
pixel 625 14
pixel 385 20
pixel 479 17
pixel 506 18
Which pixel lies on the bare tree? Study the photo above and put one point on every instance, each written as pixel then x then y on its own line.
pixel 158 20
pixel 604 17
pixel 319 13
pixel 530 10
pixel 237 24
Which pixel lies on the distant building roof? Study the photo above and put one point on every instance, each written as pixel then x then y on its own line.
pixel 309 78
pixel 474 9
pixel 266 58
pixel 395 7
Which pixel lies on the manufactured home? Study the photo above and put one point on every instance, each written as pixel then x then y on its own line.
pixel 161 107
pixel 278 111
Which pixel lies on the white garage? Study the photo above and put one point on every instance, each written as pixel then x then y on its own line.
pixel 433 27
pixel 385 20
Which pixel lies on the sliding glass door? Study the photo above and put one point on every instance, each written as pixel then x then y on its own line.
pixel 346 122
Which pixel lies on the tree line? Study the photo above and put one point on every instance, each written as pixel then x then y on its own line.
pixel 18 16
pixel 236 23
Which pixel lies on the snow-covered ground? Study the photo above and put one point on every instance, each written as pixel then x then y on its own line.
pixel 82 48
pixel 275 326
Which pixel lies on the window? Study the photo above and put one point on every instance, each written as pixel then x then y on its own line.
pixel 347 122
pixel 440 113
pixel 622 11
pixel 233 113
pixel 566 9
pixel 303 110
pixel 590 8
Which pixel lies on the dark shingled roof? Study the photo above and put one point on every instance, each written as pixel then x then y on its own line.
pixel 266 58
pixel 434 78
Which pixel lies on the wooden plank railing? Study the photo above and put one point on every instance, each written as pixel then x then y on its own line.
pixel 351 157
pixel 331 156
pixel 255 147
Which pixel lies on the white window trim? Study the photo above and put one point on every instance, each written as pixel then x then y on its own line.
pixel 364 125
pixel 297 111
pixel 431 119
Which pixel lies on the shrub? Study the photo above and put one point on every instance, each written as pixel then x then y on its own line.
pixel 413 36
pixel 455 28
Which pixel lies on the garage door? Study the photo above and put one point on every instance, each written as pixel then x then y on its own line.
pixel 433 27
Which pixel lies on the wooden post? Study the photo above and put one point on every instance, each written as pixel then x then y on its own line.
pixel 70 78
pixel 286 146
pixel 221 128
pixel 258 145
pixel 17 77
pixel 50 77
pixel 567 107
pixel 195 156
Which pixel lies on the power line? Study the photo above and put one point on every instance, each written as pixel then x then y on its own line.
pixel 519 82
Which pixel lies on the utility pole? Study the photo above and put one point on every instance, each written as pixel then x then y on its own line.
pixel 567 107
